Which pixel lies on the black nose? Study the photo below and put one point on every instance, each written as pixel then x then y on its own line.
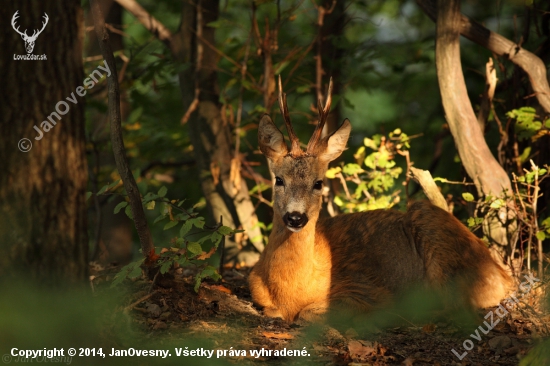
pixel 295 219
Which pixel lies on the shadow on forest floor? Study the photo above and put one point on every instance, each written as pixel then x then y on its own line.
pixel 222 319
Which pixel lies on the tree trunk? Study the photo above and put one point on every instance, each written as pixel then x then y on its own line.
pixel 331 58
pixel 488 176
pixel 225 193
pixel 42 191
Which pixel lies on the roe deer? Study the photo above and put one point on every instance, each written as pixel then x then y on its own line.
pixel 358 260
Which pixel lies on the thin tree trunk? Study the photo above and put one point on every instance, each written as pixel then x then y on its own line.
pixel 494 42
pixel 119 151
pixel 488 176
pixel 42 191
pixel 211 137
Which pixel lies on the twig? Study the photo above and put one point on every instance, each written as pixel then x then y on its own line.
pixel 116 133
pixel 407 156
pixel 153 282
pixel 343 181
pixel 488 94
pixel 153 25
pixel 424 178
pixel 97 205
pixel 222 249
pixel 535 228
pixel 241 90
pixel 141 299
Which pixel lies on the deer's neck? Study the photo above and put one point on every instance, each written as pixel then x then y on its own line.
pixel 299 243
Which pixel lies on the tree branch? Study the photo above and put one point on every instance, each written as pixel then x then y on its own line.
pixel 153 25
pixel 480 164
pixel 494 42
pixel 425 180
pixel 488 94
pixel 116 133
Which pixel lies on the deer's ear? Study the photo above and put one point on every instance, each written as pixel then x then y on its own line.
pixel 336 142
pixel 271 140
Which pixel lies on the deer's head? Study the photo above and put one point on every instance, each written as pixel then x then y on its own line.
pixel 298 175
pixel 29 40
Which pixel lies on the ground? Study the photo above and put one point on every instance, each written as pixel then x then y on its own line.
pixel 222 317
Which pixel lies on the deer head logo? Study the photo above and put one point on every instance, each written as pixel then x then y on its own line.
pixel 29 40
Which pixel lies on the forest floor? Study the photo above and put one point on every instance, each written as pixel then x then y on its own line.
pixel 221 318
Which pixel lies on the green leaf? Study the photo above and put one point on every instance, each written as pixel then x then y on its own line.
pixel 498 203
pixel 281 66
pixel 216 238
pixel 170 224
pixel 88 195
pixel 160 218
pixel 162 191
pixel 352 168
pixel 260 187
pixel 468 197
pixel 471 222
pixel 150 205
pixel 128 212
pixel 120 206
pixel 185 228
pixel 198 280
pixel 149 197
pixel 103 189
pixel 371 143
pixel 211 272
pixel 113 184
pixel 194 247
pixel 224 230
pixel 198 222
pixel 331 173
pixel 541 235
pixel 136 272
pixel 131 270
pixel 525 154
pixel 165 267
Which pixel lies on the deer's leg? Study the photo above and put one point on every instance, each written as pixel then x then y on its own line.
pixel 261 296
pixel 314 312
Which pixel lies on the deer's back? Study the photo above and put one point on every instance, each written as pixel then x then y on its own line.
pixel 373 255
pixel 379 253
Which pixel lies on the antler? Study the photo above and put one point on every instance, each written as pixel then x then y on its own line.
pixel 13 19
pixel 295 149
pixel 323 114
pixel 44 23
pixel 34 33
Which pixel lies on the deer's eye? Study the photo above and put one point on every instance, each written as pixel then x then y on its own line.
pixel 279 182
pixel 318 185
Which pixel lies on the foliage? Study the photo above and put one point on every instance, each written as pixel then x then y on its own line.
pixel 527 126
pixel 372 177
pixel 186 248
pixel 527 188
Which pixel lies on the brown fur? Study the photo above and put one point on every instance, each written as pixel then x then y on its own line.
pixel 363 259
